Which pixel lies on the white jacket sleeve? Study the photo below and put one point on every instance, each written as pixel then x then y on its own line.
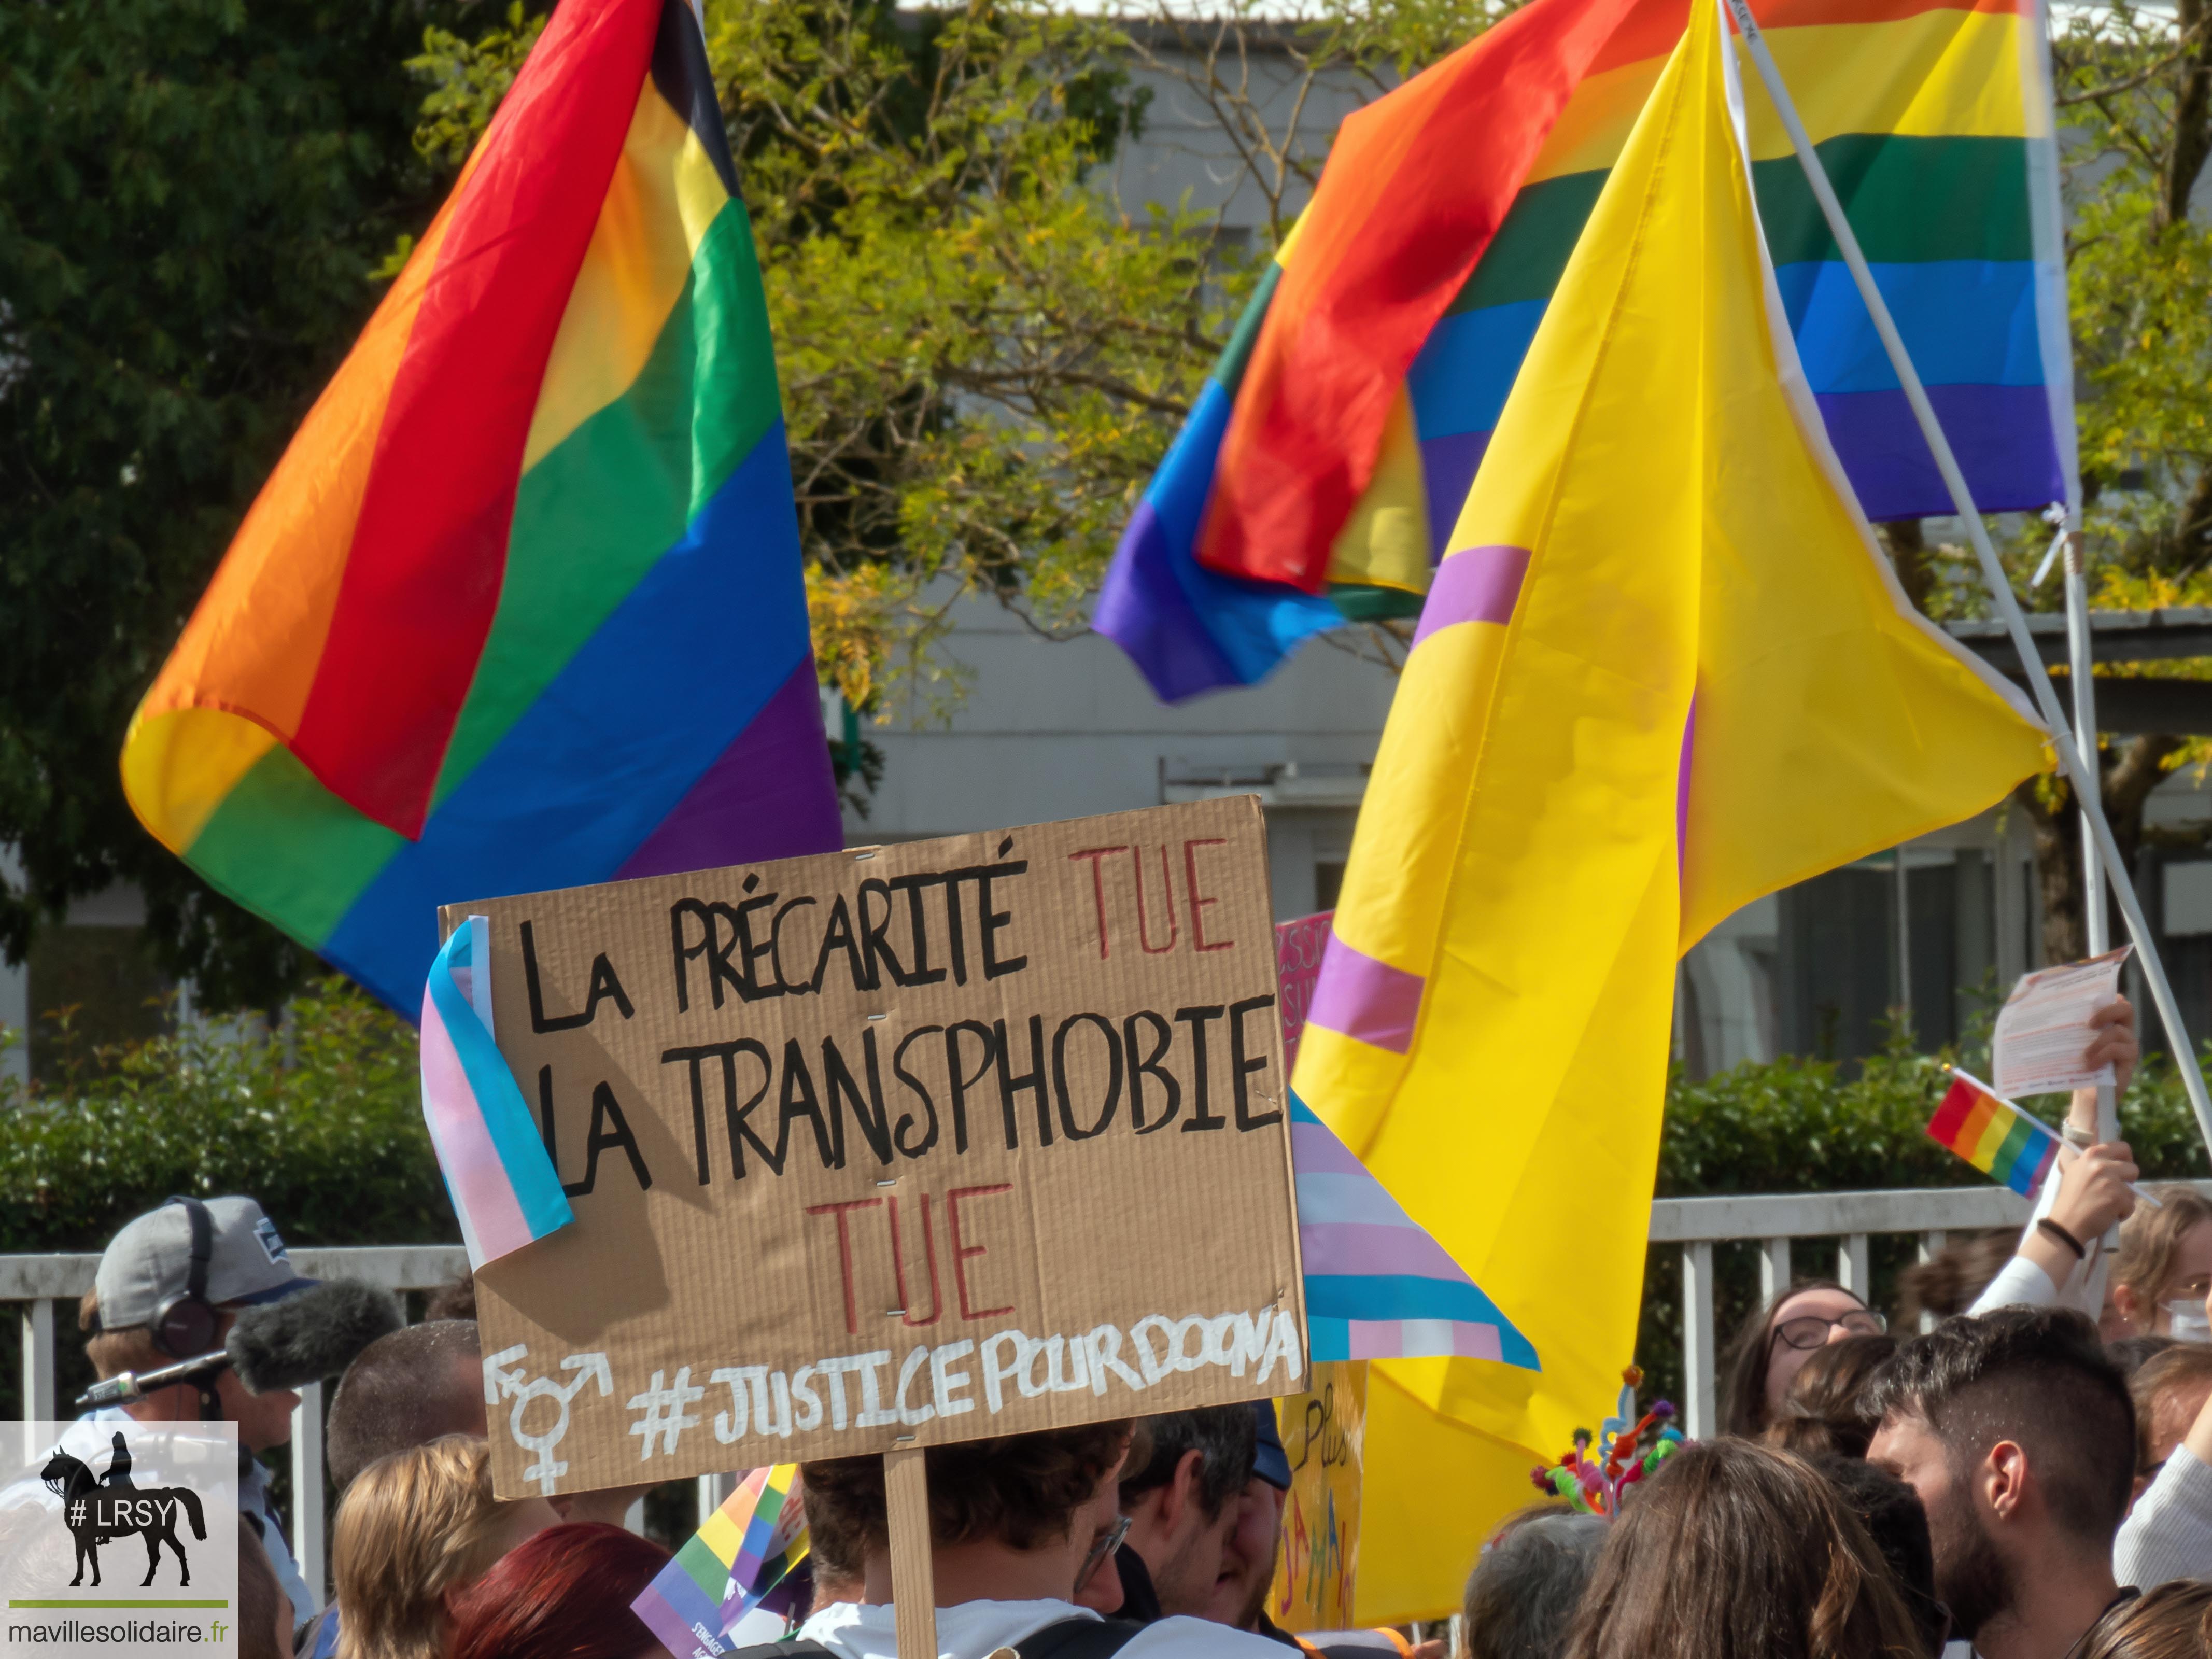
pixel 2021 1282
pixel 2168 1533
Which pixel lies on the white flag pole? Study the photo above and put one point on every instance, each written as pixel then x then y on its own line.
pixel 2079 663
pixel 2046 700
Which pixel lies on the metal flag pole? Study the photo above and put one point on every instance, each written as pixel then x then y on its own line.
pixel 2046 699
pixel 2079 663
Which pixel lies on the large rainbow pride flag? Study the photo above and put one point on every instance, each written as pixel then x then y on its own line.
pixel 522 605
pixel 1330 453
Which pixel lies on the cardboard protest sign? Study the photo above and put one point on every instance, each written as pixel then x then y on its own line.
pixel 895 1147
pixel 1322 1430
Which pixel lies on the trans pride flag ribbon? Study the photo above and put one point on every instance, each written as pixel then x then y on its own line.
pixel 728 1567
pixel 1377 1285
pixel 505 1188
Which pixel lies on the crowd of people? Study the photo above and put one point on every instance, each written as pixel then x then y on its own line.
pixel 2022 1470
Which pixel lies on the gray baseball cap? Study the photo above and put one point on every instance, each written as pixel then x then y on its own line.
pixel 149 1262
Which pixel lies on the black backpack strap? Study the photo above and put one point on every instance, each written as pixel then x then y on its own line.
pixel 1079 1638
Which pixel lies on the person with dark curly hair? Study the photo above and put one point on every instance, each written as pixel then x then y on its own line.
pixel 1019 1526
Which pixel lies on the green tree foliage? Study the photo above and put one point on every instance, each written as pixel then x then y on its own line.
pixel 193 196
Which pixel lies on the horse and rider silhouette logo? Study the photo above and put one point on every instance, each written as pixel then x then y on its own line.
pixel 98 1509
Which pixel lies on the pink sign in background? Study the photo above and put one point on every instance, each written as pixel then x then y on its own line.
pixel 1298 947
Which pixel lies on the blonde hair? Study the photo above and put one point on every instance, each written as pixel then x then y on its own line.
pixel 2150 1239
pixel 113 1352
pixel 414 1526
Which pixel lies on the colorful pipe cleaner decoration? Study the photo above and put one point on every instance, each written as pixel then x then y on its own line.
pixel 1629 1448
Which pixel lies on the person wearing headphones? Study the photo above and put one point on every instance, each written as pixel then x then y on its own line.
pixel 167 1288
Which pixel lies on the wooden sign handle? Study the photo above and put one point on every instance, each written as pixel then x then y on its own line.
pixel 913 1580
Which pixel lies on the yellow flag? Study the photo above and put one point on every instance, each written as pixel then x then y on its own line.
pixel 1664 670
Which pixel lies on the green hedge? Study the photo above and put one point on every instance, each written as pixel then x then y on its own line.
pixel 322 1123
pixel 1798 1126
pixel 1795 1126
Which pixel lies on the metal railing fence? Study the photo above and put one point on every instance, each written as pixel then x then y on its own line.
pixel 46 1289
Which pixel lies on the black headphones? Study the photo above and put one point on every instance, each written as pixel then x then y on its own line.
pixel 183 1327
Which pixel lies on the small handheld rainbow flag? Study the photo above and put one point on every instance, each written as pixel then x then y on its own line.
pixel 1994 1135
pixel 505 1188
pixel 728 1566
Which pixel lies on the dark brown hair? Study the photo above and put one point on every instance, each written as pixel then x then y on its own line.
pixel 1949 1280
pixel 1732 1551
pixel 1223 1437
pixel 1744 1410
pixel 2173 1621
pixel 261 1600
pixel 404 1389
pixel 1825 1409
pixel 2038 1377
pixel 1021 1489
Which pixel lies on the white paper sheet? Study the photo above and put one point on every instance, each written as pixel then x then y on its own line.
pixel 2043 1032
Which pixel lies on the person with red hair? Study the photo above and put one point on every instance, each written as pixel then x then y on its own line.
pixel 563 1594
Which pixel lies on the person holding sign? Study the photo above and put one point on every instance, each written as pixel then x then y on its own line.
pixel 2052 1266
pixel 1013 1537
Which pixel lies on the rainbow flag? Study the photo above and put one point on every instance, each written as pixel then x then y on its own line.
pixel 1994 1136
pixel 521 607
pixel 504 1187
pixel 1384 352
pixel 1377 1286
pixel 1665 669
pixel 725 1569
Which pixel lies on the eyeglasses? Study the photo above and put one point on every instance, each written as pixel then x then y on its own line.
pixel 1811 1330
pixel 1102 1547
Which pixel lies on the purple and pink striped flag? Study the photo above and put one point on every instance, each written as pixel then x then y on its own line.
pixel 505 1188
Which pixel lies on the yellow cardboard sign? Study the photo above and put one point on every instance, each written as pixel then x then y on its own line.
pixel 1321 1431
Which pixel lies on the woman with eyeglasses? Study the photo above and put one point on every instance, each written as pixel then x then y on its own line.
pixel 1774 1344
